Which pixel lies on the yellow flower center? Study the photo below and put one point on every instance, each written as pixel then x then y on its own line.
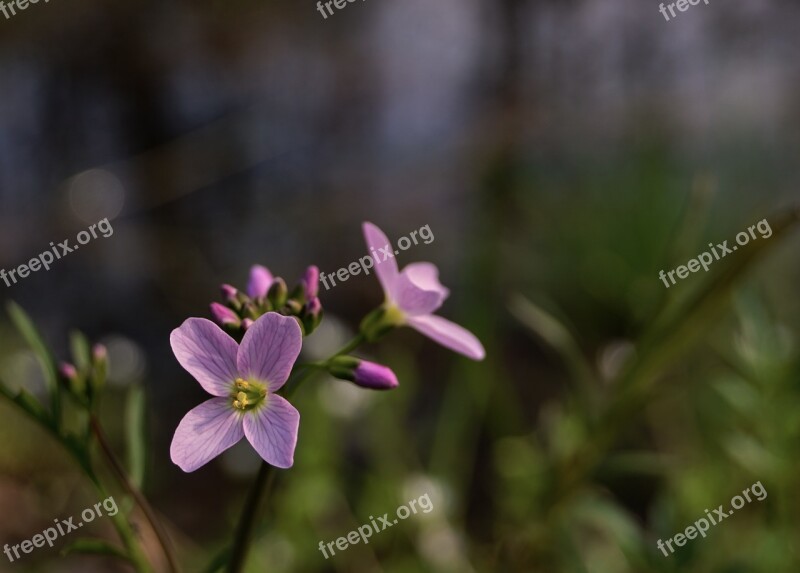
pixel 247 395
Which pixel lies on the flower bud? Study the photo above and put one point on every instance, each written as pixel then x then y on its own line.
pixel 277 293
pixel 363 373
pixel 312 315
pixel 99 353
pixel 311 282
pixel 228 293
pixel 375 376
pixel 97 377
pixel 224 316
pixel 72 379
pixel 247 323
pixel 68 371
pixel 260 281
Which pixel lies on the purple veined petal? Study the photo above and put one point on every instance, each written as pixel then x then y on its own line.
pixel 272 431
pixel 204 433
pixel 448 334
pixel 207 353
pixel 418 291
pixel 259 282
pixel 269 349
pixel 380 247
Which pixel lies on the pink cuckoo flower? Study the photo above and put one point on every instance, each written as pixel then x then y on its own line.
pixel 417 293
pixel 243 379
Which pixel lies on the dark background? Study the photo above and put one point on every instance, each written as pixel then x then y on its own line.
pixel 564 152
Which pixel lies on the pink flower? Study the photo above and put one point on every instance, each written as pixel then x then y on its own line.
pixel 243 380
pixel 416 293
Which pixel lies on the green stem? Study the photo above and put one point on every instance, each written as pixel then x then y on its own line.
pixel 266 475
pixel 350 346
pixel 126 534
pixel 127 485
pixel 244 531
pixel 81 456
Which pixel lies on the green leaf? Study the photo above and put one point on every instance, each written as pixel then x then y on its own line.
pixel 26 328
pixel 95 547
pixel 556 334
pixel 135 434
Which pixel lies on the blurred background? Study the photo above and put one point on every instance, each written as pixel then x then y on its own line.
pixel 562 153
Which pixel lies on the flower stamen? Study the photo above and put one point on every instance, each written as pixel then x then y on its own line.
pixel 247 395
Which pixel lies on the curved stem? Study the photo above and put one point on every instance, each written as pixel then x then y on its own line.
pixel 134 492
pixel 244 531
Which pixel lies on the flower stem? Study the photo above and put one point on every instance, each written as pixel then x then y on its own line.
pixel 350 346
pixel 266 474
pixel 244 531
pixel 122 477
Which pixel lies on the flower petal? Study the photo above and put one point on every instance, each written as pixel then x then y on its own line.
pixel 272 431
pixel 269 349
pixel 386 270
pixel 418 290
pixel 449 334
pixel 204 433
pixel 260 281
pixel 207 353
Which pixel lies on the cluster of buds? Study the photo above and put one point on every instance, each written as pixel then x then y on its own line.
pixel 86 377
pixel 266 293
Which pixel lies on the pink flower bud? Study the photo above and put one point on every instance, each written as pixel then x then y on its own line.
pixel 311 282
pixel 68 371
pixel 223 315
pixel 228 293
pixel 374 376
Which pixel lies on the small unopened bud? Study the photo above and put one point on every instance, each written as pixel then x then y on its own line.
pixel 99 372
pixel 278 293
pixel 375 376
pixel 68 371
pixel 260 281
pixel 247 323
pixel 99 353
pixel 74 382
pixel 311 282
pixel 363 373
pixel 228 293
pixel 312 315
pixel 224 316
